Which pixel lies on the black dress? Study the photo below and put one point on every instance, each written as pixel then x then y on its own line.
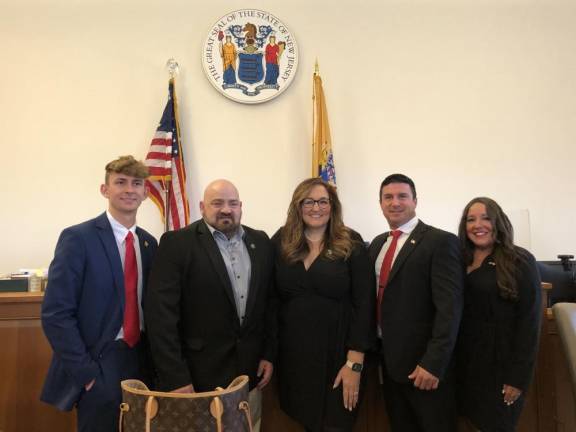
pixel 323 312
pixel 497 344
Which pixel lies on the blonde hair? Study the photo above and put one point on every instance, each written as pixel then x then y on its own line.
pixel 127 165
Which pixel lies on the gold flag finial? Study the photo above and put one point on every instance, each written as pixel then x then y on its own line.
pixel 316 68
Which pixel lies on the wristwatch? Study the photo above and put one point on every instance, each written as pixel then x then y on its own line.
pixel 356 367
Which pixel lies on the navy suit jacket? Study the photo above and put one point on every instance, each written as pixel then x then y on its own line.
pixel 83 306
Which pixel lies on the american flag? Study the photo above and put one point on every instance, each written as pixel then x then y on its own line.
pixel 165 161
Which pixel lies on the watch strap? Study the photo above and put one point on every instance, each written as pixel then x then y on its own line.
pixel 356 367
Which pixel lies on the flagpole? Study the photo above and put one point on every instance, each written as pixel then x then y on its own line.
pixel 314 143
pixel 167 189
pixel 177 119
pixel 172 66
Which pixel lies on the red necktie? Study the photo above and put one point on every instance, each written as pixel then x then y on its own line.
pixel 386 267
pixel 131 317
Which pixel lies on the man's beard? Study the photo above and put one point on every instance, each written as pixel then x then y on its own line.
pixel 227 225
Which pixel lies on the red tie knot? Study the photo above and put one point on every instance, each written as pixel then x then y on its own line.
pixel 396 234
pixel 129 237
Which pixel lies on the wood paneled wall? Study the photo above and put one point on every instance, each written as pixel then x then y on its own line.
pixel 25 356
pixel 24 359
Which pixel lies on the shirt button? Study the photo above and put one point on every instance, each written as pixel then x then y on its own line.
pixel 238 277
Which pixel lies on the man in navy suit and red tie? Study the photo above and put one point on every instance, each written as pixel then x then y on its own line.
pixel 419 292
pixel 92 310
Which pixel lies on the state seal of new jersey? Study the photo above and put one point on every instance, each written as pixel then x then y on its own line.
pixel 250 56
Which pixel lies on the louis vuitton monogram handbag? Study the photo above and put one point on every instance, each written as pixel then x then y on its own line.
pixel 221 410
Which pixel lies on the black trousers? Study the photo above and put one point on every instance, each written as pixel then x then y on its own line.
pixel 98 409
pixel 413 410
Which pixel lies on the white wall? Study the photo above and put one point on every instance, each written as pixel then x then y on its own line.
pixel 467 97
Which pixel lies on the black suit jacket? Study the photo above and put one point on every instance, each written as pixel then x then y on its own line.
pixel 422 302
pixel 194 330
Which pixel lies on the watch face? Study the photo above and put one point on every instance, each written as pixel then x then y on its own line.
pixel 357 367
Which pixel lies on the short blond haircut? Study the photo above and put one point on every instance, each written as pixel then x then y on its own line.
pixel 127 165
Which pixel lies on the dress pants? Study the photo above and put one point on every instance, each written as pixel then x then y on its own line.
pixel 98 409
pixel 413 410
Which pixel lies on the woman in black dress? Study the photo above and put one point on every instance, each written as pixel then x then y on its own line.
pixel 498 339
pixel 326 290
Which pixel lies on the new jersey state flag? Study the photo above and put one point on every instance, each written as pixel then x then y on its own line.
pixel 322 157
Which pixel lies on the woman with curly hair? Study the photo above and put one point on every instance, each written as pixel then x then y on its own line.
pixel 498 339
pixel 326 292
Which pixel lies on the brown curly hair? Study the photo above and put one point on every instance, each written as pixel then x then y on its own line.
pixel 338 242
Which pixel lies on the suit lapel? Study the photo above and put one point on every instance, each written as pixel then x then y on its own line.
pixel 215 256
pixel 376 247
pixel 111 248
pixel 144 251
pixel 254 273
pixel 412 242
pixel 145 259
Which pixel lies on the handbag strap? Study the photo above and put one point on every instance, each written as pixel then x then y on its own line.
pixel 217 409
pixel 149 415
pixel 124 407
pixel 245 406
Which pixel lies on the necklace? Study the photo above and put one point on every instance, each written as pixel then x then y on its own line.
pixel 314 240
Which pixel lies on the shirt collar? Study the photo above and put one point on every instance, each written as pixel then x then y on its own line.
pixel 409 226
pixel 119 230
pixel 239 235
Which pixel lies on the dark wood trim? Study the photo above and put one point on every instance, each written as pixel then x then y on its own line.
pixel 25 355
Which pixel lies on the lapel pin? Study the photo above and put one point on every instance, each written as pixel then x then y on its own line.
pixel 329 252
pixel 145 243
pixel 413 241
pixel 252 245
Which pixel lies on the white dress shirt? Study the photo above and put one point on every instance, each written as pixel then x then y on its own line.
pixel 406 229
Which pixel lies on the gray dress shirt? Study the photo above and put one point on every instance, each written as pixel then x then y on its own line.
pixel 237 260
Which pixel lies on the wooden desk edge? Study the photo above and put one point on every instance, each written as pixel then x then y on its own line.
pixel 33 297
pixel 21 297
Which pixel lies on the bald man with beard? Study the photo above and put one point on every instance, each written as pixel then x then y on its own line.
pixel 208 305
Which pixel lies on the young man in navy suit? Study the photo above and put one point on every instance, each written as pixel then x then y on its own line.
pixel 92 310
pixel 420 279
